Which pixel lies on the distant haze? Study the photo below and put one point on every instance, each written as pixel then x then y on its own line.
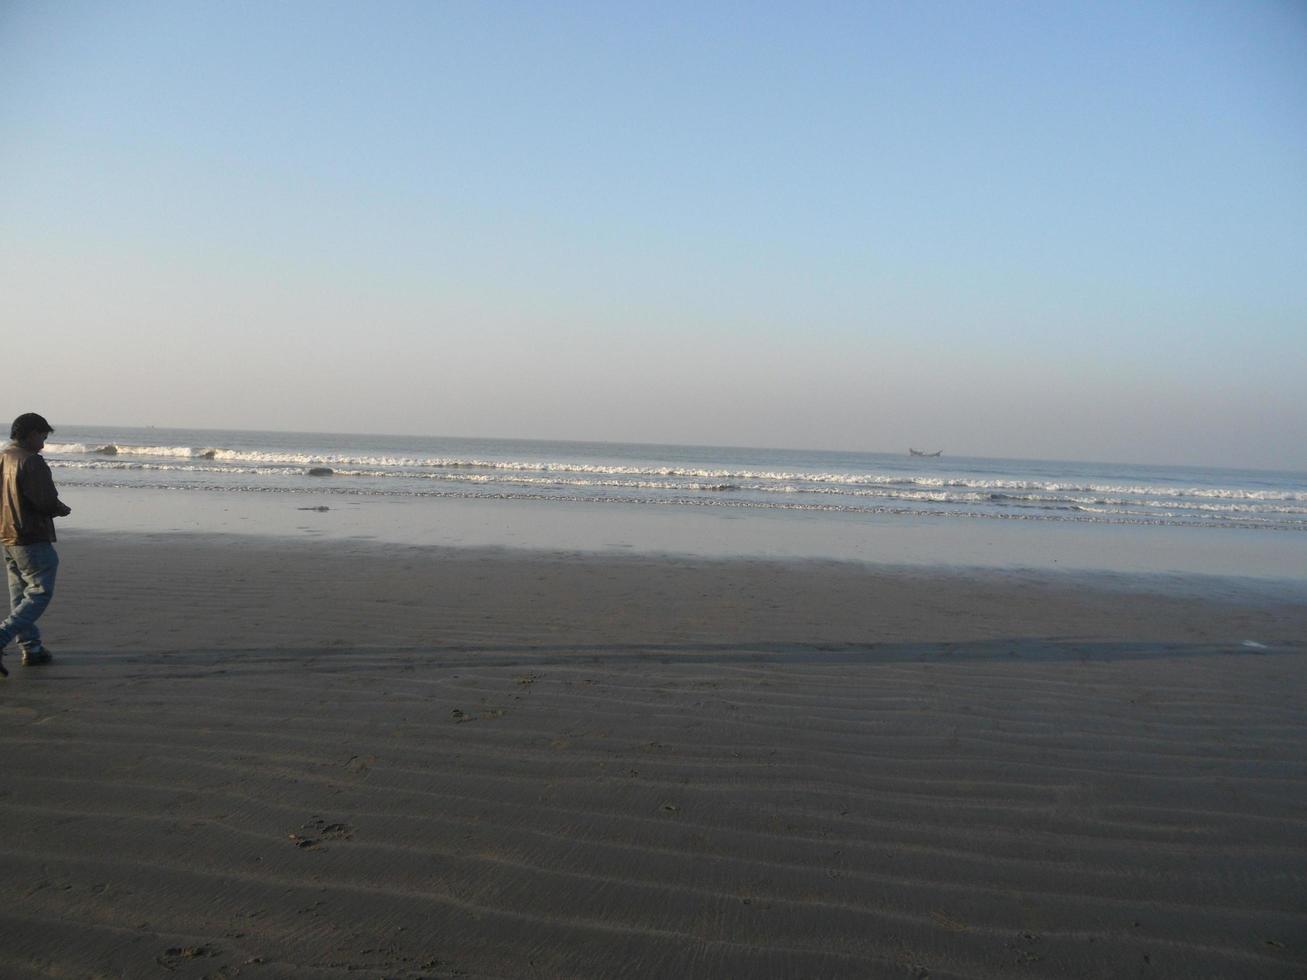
pixel 1071 230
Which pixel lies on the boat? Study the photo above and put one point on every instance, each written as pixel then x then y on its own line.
pixel 918 452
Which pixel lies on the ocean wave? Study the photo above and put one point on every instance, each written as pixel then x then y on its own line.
pixel 133 466
pixel 1085 515
pixel 153 467
pixel 708 477
pixel 115 449
pixel 629 482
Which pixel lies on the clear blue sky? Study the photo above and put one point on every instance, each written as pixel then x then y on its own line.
pixel 1035 229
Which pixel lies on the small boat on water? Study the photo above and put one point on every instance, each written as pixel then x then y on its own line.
pixel 918 452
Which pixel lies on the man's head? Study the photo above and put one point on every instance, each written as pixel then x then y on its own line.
pixel 30 430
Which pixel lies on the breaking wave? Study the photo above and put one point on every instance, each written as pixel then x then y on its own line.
pixel 998 489
pixel 685 476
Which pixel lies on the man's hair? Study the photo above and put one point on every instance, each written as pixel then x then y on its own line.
pixel 26 424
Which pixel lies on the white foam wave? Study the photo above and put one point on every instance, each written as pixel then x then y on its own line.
pixel 127 465
pixel 115 449
pixel 1105 515
pixel 788 480
pixel 630 480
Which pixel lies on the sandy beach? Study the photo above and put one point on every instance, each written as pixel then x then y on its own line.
pixel 314 758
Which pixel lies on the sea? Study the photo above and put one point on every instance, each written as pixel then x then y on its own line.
pixel 862 505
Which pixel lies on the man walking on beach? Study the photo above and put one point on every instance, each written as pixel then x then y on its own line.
pixel 29 504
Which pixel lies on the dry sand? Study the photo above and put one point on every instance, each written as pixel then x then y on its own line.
pixel 315 759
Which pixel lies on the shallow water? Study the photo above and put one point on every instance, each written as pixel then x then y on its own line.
pixel 619 529
pixel 701 501
pixel 801 484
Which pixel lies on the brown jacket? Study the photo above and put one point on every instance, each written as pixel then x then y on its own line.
pixel 29 502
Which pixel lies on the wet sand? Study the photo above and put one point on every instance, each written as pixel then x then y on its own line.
pixel 331 759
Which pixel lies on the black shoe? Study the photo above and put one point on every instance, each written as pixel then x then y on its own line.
pixel 33 657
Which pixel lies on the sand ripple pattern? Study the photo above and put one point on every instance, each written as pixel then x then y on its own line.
pixel 579 816
pixel 646 792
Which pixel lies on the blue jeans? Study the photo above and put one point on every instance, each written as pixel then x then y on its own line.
pixel 30 569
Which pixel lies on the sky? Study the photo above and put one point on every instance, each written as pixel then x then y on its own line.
pixel 1061 230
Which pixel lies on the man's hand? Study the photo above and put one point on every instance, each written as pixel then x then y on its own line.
pixel 64 511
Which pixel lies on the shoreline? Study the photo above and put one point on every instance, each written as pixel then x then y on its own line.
pixel 673 531
pixel 417 594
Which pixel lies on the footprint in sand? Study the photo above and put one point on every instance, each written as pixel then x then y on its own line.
pixel 359 766
pixel 325 831
pixel 176 954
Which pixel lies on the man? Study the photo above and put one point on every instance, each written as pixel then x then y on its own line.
pixel 28 506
